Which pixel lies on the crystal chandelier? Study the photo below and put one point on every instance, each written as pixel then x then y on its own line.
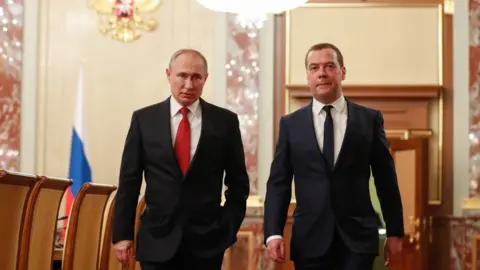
pixel 251 13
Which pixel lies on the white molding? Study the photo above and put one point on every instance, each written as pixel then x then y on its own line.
pixel 29 87
pixel 265 106
pixel 461 113
pixel 219 85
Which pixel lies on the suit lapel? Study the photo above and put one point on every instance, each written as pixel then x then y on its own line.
pixel 166 133
pixel 311 135
pixel 206 127
pixel 349 132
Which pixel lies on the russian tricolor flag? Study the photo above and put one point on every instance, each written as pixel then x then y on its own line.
pixel 79 171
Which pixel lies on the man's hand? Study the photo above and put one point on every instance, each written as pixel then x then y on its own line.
pixel 124 251
pixel 276 250
pixel 392 248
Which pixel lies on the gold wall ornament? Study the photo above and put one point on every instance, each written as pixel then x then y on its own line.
pixel 124 20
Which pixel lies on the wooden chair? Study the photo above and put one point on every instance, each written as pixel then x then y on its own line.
pixel 140 208
pixel 40 223
pixel 84 229
pixel 108 261
pixel 15 191
pixel 244 254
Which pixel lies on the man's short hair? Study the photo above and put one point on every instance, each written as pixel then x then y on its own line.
pixel 321 46
pixel 189 51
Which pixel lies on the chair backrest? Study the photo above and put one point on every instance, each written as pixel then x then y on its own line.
pixel 15 191
pixel 40 224
pixel 244 254
pixel 84 229
pixel 140 208
pixel 108 261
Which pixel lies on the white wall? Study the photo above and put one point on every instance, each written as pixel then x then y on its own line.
pixel 29 87
pixel 460 104
pixel 265 123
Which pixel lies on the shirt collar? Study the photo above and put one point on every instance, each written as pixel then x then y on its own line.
pixel 175 107
pixel 338 104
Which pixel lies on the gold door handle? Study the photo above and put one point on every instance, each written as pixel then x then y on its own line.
pixel 415 234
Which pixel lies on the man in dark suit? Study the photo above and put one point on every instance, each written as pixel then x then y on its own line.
pixel 183 146
pixel 329 147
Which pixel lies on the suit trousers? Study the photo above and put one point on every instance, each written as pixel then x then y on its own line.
pixel 185 260
pixel 338 257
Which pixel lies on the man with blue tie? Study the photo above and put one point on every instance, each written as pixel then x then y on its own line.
pixel 330 148
pixel 186 149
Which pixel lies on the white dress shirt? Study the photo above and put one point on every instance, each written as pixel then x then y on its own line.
pixel 339 116
pixel 195 119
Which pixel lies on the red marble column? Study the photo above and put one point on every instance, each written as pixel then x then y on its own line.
pixel 11 31
pixel 465 229
pixel 474 84
pixel 242 71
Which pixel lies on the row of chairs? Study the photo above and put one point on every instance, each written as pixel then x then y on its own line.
pixel 29 208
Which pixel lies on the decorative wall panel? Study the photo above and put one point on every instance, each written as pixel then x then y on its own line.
pixel 242 67
pixel 381 39
pixel 243 91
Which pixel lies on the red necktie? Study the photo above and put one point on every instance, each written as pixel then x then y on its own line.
pixel 182 142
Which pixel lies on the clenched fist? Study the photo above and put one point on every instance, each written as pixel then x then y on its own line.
pixel 124 251
pixel 276 250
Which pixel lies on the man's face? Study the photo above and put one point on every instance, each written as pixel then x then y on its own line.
pixel 187 77
pixel 324 74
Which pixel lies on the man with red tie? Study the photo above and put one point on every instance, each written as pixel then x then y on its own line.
pixel 187 149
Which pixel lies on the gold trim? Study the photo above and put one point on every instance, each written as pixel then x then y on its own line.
pixel 287 100
pixel 471 204
pixel 406 134
pixel 440 152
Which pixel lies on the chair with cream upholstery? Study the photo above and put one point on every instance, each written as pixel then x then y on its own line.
pixel 15 191
pixel 140 208
pixel 38 235
pixel 108 261
pixel 84 229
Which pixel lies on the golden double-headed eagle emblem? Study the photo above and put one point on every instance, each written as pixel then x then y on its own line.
pixel 124 20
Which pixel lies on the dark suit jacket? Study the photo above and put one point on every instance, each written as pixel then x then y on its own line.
pixel 181 209
pixel 332 198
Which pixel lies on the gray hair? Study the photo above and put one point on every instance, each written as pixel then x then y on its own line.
pixel 187 51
